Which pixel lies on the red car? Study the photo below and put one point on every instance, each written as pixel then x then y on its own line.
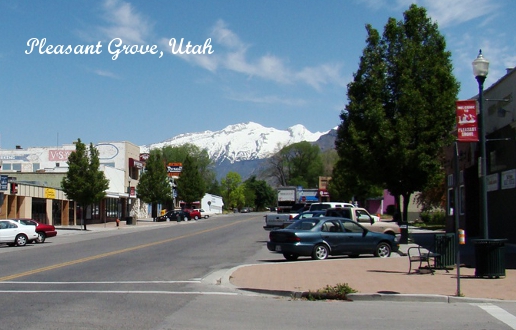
pixel 43 230
pixel 194 214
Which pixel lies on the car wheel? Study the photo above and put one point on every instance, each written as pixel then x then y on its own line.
pixel 206 216
pixel 383 250
pixel 290 256
pixel 186 219
pixel 320 252
pixel 196 217
pixel 41 237
pixel 21 240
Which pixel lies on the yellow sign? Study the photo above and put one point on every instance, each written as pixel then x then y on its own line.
pixel 50 193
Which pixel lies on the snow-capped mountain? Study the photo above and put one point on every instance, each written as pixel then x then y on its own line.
pixel 241 142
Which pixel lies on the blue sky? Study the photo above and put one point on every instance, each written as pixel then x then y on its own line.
pixel 276 63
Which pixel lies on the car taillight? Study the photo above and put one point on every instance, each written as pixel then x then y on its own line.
pixel 293 239
pixel 290 217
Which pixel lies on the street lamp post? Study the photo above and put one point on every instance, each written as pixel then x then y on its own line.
pixel 480 70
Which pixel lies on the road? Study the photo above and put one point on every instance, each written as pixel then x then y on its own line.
pixel 167 277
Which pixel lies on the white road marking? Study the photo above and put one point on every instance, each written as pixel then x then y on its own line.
pixel 499 314
pixel 103 282
pixel 123 292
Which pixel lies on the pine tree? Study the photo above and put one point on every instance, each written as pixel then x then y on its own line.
pixel 85 183
pixel 190 186
pixel 401 109
pixel 153 186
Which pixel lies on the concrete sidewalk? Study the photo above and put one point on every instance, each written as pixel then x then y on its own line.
pixel 373 278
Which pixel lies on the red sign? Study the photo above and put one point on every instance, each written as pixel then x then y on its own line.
pixel 467 129
pixel 174 169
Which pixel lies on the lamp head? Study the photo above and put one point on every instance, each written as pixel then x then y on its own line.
pixel 480 66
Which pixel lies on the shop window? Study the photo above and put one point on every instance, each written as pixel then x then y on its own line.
pixel 451 202
pixel 7 167
pixel 17 167
pixel 112 207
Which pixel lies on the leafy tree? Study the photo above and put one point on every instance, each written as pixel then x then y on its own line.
pixel 299 164
pixel 84 182
pixel 214 187
pixel 329 158
pixel 401 109
pixel 153 186
pixel 178 154
pixel 190 186
pixel 232 192
pixel 249 196
pixel 263 194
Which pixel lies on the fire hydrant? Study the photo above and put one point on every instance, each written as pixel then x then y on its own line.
pixel 117 222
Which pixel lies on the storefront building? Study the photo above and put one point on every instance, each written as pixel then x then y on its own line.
pixel 499 113
pixel 37 174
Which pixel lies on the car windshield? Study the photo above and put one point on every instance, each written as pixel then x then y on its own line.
pixel 304 224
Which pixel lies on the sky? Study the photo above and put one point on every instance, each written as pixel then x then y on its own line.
pixel 276 63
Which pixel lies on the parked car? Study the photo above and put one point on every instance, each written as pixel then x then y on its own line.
pixel 194 213
pixel 15 233
pixel 204 214
pixel 320 237
pixel 175 215
pixel 42 229
pixel 245 210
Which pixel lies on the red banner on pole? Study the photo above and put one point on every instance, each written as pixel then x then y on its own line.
pixel 467 129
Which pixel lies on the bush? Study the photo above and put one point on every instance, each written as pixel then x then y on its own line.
pixel 433 218
pixel 338 292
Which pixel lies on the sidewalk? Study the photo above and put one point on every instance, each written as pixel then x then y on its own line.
pixel 373 278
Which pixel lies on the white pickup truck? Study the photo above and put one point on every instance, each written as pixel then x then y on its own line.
pixel 371 222
pixel 277 221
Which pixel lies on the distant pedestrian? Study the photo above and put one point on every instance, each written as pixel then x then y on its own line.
pixel 117 222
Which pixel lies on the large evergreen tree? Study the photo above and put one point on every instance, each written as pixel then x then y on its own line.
pixel 401 109
pixel 190 186
pixel 154 186
pixel 85 183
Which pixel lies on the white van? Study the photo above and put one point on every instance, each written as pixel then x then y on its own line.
pixel 327 205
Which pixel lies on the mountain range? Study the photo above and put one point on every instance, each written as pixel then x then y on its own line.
pixel 244 147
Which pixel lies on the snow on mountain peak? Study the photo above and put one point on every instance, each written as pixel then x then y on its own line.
pixel 245 141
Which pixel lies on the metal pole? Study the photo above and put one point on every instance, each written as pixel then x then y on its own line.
pixel 483 163
pixel 456 211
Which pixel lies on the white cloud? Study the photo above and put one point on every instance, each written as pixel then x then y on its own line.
pixel 230 52
pixel 107 74
pixel 449 13
pixel 444 12
pixel 269 67
pixel 125 22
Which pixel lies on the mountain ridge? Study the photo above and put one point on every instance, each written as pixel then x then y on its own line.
pixel 239 142
pixel 244 148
